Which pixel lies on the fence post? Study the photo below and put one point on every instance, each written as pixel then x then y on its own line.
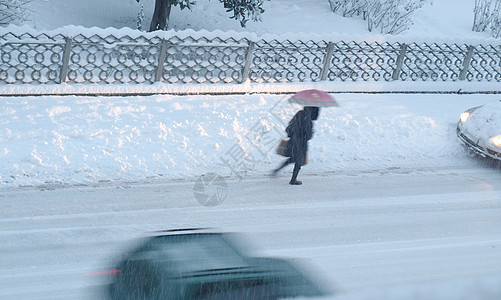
pixel 466 63
pixel 161 60
pixel 400 61
pixel 248 61
pixel 327 61
pixel 66 61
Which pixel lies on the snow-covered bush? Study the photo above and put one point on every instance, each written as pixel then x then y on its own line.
pixel 13 11
pixel 496 20
pixel 389 16
pixel 487 14
pixel 481 15
pixel 140 18
pixel 244 10
pixel 348 8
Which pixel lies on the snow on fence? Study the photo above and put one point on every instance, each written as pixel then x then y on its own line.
pixel 41 58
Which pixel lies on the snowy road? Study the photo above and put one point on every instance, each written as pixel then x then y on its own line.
pixel 354 230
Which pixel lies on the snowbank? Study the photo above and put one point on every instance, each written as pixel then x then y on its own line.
pixel 76 140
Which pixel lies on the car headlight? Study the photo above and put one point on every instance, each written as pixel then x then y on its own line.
pixel 496 140
pixel 464 116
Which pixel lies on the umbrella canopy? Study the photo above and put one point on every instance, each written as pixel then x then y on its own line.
pixel 313 98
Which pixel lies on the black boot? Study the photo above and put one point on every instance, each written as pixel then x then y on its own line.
pixel 294 180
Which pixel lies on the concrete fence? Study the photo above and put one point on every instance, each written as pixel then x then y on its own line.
pixel 180 58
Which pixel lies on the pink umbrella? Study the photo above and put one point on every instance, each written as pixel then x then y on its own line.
pixel 313 98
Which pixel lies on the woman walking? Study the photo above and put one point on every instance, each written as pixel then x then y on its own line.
pixel 300 131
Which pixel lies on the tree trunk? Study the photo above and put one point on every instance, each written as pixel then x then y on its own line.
pixel 160 20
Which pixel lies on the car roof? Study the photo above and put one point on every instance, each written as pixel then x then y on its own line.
pixel 190 250
pixel 182 231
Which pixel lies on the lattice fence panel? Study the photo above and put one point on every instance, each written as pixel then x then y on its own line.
pixel 287 61
pixel 113 60
pixel 30 62
pixel 362 61
pixel 433 62
pixel 485 64
pixel 204 60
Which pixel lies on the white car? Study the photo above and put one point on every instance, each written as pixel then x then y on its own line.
pixel 479 128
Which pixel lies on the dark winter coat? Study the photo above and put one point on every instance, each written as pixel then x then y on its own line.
pixel 300 130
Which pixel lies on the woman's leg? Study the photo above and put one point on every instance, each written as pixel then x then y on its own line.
pixel 288 161
pixel 294 180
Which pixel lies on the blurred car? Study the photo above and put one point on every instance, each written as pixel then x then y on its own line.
pixel 204 265
pixel 479 128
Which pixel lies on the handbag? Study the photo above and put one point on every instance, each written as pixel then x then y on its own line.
pixel 282 147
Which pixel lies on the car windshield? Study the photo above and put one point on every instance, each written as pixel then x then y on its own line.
pixel 199 253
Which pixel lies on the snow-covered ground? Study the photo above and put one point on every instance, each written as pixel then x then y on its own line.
pixel 76 140
pixel 392 206
pixel 436 19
